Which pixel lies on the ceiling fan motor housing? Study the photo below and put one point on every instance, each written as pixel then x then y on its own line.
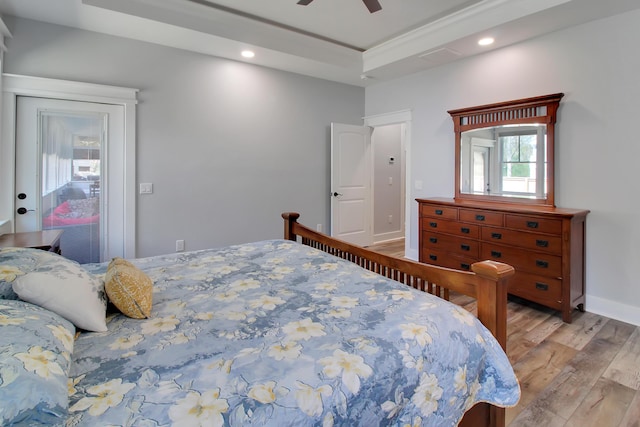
pixel 372 5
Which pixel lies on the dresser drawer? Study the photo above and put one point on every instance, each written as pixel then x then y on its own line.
pixel 451 227
pixel 538 242
pixel 445 259
pixel 438 211
pixel 532 223
pixel 533 262
pixel 540 289
pixel 482 217
pixel 444 242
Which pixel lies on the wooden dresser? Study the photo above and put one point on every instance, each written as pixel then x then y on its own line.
pixel 545 245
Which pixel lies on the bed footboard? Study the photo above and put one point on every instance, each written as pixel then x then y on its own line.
pixel 487 283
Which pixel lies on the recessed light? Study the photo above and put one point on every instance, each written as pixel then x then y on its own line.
pixel 248 54
pixel 486 41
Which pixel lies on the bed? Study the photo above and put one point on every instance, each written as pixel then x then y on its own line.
pixel 301 331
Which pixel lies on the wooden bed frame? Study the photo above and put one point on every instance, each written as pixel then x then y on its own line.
pixel 487 283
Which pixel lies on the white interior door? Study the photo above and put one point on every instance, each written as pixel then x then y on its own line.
pixel 62 154
pixel 351 208
pixel 480 170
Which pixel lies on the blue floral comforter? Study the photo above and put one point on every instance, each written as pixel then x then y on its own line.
pixel 276 333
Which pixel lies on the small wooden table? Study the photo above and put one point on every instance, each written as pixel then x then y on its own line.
pixel 47 240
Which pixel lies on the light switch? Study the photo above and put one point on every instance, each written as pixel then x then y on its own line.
pixel 418 185
pixel 146 188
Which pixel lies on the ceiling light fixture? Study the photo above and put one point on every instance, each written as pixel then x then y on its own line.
pixel 486 41
pixel 248 53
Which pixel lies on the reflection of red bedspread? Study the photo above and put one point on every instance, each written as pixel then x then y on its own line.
pixel 72 214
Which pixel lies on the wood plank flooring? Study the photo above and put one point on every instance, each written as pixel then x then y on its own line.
pixel 583 374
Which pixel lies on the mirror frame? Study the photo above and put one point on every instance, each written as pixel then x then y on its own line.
pixel 536 110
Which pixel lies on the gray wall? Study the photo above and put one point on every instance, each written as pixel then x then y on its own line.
pixel 220 140
pixel 596 66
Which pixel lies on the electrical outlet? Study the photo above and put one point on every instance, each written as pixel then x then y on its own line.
pixel 319 228
pixel 146 188
pixel 179 245
pixel 390 219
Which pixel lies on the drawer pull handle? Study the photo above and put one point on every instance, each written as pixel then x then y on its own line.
pixel 479 217
pixel 532 224
pixel 542 243
pixel 496 236
pixel 542 286
pixel 465 266
pixel 542 264
pixel 433 239
pixel 465 230
pixel 433 224
pixel 433 257
pixel 465 247
pixel 438 211
pixel 496 254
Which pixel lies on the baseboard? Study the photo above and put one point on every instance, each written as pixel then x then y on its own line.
pixel 388 237
pixel 5 226
pixel 613 310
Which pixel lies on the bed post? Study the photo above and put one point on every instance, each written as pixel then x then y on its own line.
pixel 492 297
pixel 492 312
pixel 290 218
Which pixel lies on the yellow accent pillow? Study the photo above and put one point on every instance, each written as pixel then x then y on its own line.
pixel 129 289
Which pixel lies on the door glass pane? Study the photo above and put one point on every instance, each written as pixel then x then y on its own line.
pixel 70 180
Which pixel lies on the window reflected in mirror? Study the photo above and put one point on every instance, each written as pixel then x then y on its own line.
pixel 508 161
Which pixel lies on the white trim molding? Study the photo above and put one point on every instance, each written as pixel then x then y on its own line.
pixel 69 90
pixel 613 309
pixel 18 85
pixel 478 17
pixel 391 118
pixel 403 117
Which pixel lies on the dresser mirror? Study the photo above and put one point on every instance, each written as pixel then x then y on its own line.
pixel 504 152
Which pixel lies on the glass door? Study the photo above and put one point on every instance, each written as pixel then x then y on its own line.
pixel 59 174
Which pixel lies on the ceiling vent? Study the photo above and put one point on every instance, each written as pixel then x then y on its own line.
pixel 440 56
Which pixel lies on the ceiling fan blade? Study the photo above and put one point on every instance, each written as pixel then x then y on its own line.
pixel 304 2
pixel 372 5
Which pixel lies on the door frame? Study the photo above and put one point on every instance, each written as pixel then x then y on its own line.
pixel 392 118
pixel 18 85
pixel 401 160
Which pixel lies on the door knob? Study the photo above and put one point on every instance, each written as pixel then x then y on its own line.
pixel 336 194
pixel 23 211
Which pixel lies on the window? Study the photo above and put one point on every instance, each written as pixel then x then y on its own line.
pixel 523 161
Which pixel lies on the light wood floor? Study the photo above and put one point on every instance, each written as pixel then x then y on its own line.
pixel 583 374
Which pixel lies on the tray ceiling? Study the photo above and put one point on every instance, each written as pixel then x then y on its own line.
pixel 332 39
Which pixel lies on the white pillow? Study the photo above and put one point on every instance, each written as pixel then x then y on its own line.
pixel 64 287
